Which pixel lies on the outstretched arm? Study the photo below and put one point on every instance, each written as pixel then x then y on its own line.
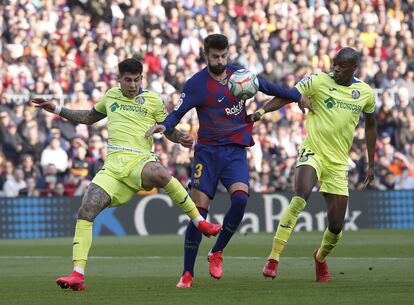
pixel 76 116
pixel 176 136
pixel 272 105
pixel 269 88
pixel 87 117
pixel 191 97
pixel 277 103
pixel 371 139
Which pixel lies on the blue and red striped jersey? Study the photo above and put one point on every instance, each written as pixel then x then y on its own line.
pixel 222 117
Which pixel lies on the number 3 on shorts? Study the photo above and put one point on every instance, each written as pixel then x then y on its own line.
pixel 199 168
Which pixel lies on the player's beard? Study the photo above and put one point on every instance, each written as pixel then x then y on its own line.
pixel 217 70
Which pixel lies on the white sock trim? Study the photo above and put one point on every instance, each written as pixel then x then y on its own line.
pixel 197 220
pixel 79 270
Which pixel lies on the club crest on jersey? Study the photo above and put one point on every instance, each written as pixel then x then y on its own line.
pixel 355 94
pixel 139 100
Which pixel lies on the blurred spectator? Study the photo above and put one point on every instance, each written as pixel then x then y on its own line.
pixel 31 190
pixel 32 145
pixel 404 181
pixel 54 154
pixel 59 190
pixel 14 184
pixel 80 164
pixel 3 173
pixel 47 183
pixel 12 142
pixel 30 169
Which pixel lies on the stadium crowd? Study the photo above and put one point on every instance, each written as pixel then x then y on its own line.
pixel 69 50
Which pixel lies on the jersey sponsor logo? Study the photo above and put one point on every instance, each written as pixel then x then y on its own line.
pixel 134 108
pixel 114 106
pixel 331 103
pixel 130 108
pixel 220 99
pixel 235 109
pixel 332 89
pixel 347 106
pixel 356 94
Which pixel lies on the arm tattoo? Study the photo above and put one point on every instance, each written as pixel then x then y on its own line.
pixel 275 104
pixel 174 136
pixel 82 116
pixel 93 202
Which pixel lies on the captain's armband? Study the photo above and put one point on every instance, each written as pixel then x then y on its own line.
pixel 261 112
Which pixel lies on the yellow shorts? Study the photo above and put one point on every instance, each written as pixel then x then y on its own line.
pixel 120 176
pixel 333 178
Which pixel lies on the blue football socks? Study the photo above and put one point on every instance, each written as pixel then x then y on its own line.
pixel 191 242
pixel 232 220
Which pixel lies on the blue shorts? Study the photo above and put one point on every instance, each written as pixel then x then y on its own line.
pixel 227 163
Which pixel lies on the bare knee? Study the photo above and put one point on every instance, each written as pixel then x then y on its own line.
pixel 336 227
pixel 163 178
pixel 87 213
pixel 156 176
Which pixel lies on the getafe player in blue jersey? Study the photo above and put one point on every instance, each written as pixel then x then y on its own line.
pixel 220 153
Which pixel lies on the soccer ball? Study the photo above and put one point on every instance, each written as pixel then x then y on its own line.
pixel 243 84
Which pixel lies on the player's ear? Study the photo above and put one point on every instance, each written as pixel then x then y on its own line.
pixel 119 77
pixel 204 53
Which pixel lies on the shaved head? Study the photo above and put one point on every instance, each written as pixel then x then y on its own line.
pixel 348 54
pixel 345 63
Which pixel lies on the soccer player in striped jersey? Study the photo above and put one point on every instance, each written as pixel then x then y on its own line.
pixel 220 153
pixel 130 165
pixel 338 99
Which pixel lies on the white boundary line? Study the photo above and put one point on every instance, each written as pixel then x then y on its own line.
pixel 227 257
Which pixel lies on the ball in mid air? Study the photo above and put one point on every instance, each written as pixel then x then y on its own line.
pixel 243 84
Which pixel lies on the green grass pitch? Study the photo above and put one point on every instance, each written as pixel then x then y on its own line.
pixel 368 267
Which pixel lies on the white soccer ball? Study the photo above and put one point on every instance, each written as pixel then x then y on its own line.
pixel 243 84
